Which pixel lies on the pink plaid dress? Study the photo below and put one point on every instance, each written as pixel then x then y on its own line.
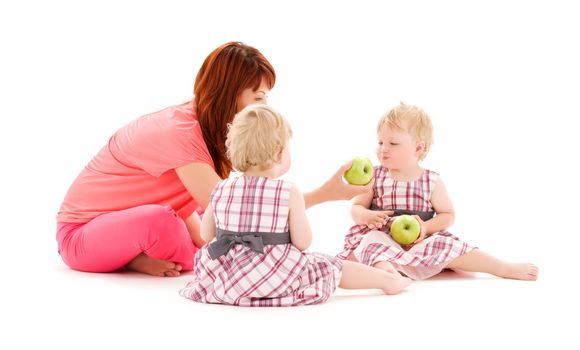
pixel 282 275
pixel 424 259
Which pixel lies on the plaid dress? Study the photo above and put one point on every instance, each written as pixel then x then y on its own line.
pixel 424 259
pixel 282 275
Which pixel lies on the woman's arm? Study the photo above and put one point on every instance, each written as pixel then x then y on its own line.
pixel 300 232
pixel 199 179
pixel 335 189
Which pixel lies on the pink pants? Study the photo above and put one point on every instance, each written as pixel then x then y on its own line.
pixel 110 241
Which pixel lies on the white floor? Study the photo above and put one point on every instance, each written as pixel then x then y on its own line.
pixel 47 304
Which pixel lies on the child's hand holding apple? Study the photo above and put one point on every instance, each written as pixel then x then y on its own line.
pixel 423 232
pixel 407 229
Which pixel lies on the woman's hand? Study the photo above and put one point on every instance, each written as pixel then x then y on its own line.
pixel 336 189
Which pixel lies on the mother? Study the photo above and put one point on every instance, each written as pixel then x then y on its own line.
pixel 136 203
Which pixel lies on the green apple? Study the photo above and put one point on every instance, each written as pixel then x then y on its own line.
pixel 360 172
pixel 405 229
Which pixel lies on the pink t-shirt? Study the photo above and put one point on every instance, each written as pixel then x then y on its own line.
pixel 136 167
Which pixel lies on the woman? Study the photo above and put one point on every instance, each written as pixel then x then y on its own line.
pixel 136 203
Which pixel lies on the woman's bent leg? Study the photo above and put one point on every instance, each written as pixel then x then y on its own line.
pixel 111 241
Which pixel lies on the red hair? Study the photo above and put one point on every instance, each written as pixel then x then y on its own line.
pixel 225 73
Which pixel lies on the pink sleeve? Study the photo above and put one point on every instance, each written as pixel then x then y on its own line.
pixel 159 145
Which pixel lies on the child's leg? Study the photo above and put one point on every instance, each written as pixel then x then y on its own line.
pixel 151 239
pixel 359 276
pixel 479 261
pixel 370 238
pixel 387 266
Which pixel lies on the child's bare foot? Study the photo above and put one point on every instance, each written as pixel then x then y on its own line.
pixel 155 267
pixel 520 271
pixel 396 283
pixel 387 266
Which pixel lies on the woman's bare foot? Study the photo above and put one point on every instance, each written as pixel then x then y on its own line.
pixel 520 271
pixel 387 266
pixel 155 267
pixel 396 283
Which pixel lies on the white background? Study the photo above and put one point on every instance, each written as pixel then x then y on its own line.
pixel 501 81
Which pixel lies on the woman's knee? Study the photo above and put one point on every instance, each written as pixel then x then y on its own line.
pixel 172 239
pixel 166 223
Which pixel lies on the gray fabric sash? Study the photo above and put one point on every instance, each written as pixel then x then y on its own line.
pixel 253 240
pixel 424 215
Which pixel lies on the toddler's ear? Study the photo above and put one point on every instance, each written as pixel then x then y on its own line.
pixel 420 147
pixel 279 157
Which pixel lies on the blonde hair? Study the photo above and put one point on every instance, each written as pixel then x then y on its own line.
pixel 412 119
pixel 256 137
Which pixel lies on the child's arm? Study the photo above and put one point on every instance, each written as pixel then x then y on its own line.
pixel 300 232
pixel 208 224
pixel 193 224
pixel 362 215
pixel 443 207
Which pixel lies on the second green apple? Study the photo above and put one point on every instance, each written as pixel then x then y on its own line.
pixel 405 229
